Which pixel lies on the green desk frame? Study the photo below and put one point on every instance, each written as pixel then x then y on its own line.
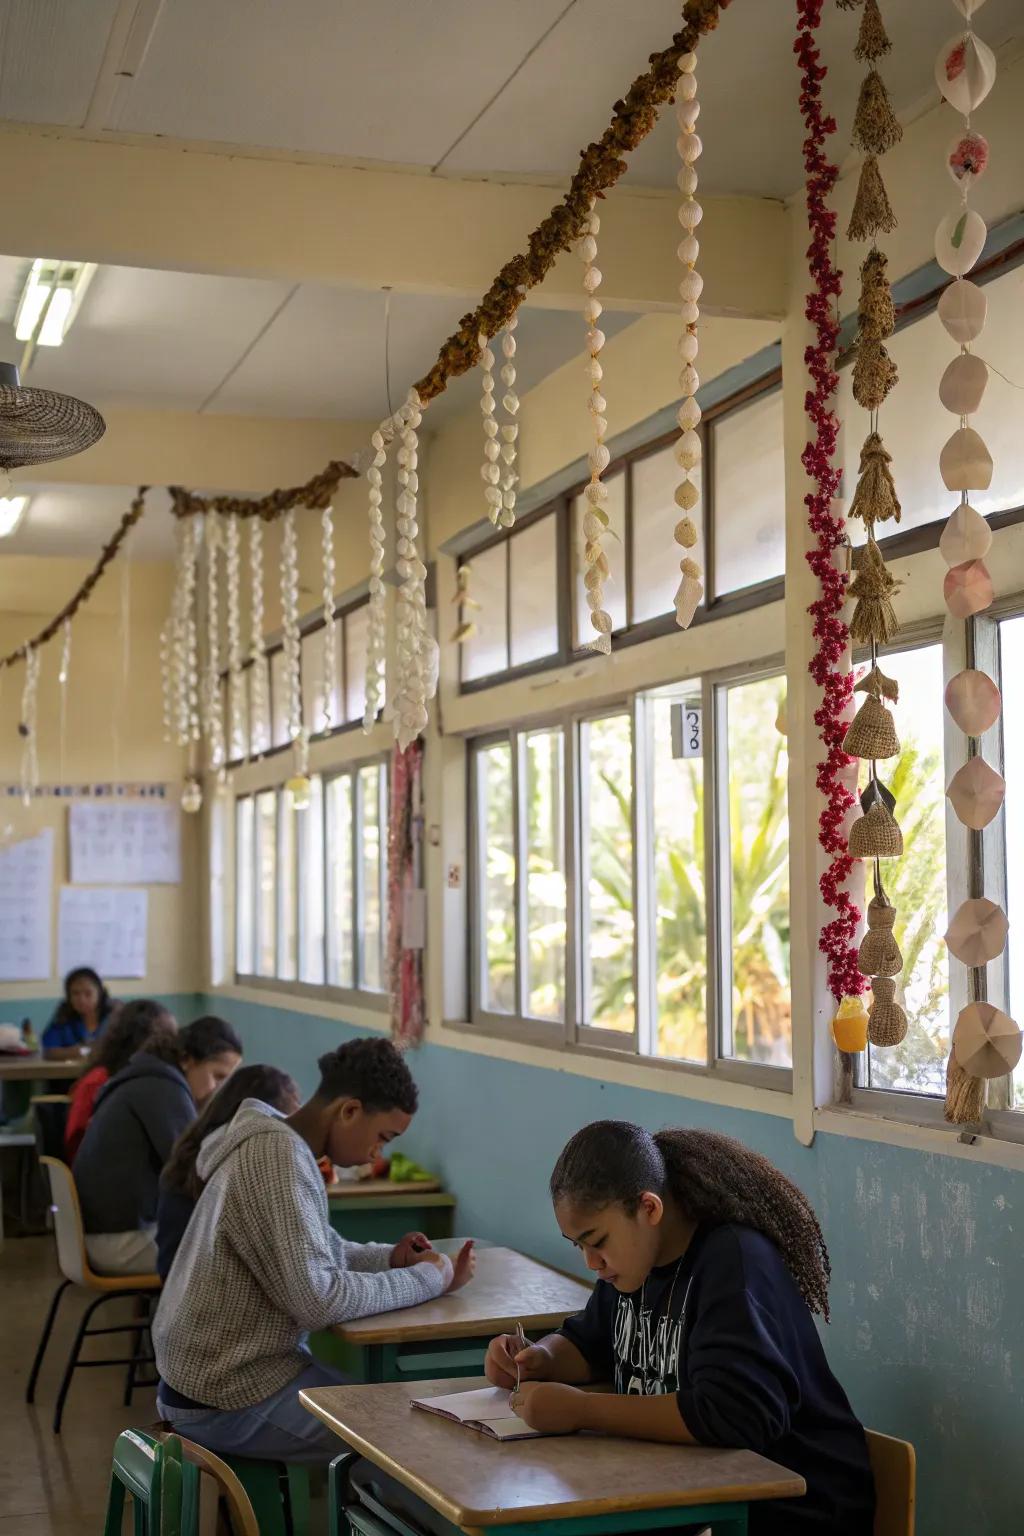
pixel 385 1218
pixel 429 1360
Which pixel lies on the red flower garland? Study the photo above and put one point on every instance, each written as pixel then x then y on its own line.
pixel 837 936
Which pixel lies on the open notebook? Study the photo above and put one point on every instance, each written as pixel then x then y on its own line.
pixel 485 1410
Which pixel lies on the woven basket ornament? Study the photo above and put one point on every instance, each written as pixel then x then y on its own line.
pixel 38 426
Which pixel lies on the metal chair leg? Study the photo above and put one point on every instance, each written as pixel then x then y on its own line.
pixel 37 1363
pixel 138 1340
pixel 76 1349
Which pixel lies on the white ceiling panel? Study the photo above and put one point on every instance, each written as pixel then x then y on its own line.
pixel 75 521
pixel 50 56
pixel 393 80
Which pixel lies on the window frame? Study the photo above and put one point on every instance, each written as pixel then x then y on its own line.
pixel 571 1034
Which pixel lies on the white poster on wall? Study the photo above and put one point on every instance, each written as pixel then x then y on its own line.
pixel 26 892
pixel 124 842
pixel 105 929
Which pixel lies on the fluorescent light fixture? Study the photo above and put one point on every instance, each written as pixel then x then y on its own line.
pixel 50 300
pixel 12 510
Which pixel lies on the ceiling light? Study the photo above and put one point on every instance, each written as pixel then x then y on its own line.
pixel 12 510
pixel 50 300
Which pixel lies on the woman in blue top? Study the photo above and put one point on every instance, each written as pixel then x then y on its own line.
pixel 80 1017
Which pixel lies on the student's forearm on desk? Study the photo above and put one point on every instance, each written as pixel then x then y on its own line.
pixel 638 1418
pixel 566 1362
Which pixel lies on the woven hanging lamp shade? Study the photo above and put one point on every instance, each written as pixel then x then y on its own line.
pixel 39 425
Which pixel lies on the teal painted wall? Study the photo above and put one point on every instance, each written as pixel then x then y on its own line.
pixel 927 1332
pixel 40 1010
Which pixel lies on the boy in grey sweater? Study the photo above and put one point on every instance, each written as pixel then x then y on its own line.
pixel 260 1266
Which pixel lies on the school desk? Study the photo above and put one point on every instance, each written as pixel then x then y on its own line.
pixel 449 1336
pixel 574 1485
pixel 380 1211
pixel 20 1069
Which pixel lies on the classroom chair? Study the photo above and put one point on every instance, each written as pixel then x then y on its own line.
pixel 75 1267
pixel 278 1492
pixel 894 1465
pixel 21 1141
pixel 153 1474
pixel 226 1488
pixel 50 1119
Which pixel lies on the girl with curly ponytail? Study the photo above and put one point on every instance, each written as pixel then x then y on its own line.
pixel 709 1265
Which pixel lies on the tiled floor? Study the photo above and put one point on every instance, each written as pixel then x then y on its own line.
pixel 55 1485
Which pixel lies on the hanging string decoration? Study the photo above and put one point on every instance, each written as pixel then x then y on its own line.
pixel 28 727
pixel 236 682
pixel 871 736
pixel 595 519
pixel 466 605
pixel 259 692
pixel 376 647
pixel 510 428
pixel 213 712
pixel 688 448
pixel 183 661
pixel 490 469
pixel 986 1042
pixel 829 666
pixel 330 629
pixel 416 651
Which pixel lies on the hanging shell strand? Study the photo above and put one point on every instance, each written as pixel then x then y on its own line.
pixel 236 734
pixel 213 714
pixel 330 630
pixel 595 518
pixel 490 469
pixel 29 726
pixel 259 712
pixel 691 284
pixel 509 429
pixel 416 671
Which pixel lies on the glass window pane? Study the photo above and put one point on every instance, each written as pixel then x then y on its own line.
pixel 916 883
pixel 245 875
pixel 260 735
pixel 311 885
pixel 749 503
pixel 495 881
pixel 606 766
pixel 373 855
pixel 266 875
pixel 759 1028
pixel 278 700
pixel 287 891
pixel 680 912
pixel 544 786
pixel 340 894
pixel 534 598
pixel 236 718
pixel 313 681
pixel 357 641
pixel 1011 660
pixel 486 650
pixel 614 545
pixel 655 514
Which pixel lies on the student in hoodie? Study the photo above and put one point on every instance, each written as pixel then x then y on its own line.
pixel 132 1027
pixel 709 1265
pixel 180 1184
pixel 139 1115
pixel 260 1266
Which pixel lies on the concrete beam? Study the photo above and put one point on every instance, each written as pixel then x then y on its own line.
pixel 194 208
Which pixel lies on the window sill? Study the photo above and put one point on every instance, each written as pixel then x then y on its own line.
pixel 362 1010
pixel 920 1133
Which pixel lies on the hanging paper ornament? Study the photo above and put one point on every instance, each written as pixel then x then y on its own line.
pixel 871 734
pixel 986 1041
pixel 966 536
pixel 850 1025
pixel 965 463
pixel 963 309
pixel 887 1021
pixel 978 932
pixel 876 835
pixel 967 158
pixel 968 589
pixel 965 72
pixel 959 241
pixel 973 701
pixel 976 792
pixel 879 954
pixel 962 385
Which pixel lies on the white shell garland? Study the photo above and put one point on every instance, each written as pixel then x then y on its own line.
pixel 595 519
pixel 290 625
pixel 259 693
pixel 415 647
pixel 29 726
pixel 509 429
pixel 490 469
pixel 330 629
pixel 64 674
pixel 183 667
pixel 688 448
pixel 213 714
pixel 236 736
pixel 378 616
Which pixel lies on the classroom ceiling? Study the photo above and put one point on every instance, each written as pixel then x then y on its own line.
pixel 458 87
pixel 73 522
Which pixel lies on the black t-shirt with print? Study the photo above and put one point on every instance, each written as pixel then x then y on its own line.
pixel 727 1330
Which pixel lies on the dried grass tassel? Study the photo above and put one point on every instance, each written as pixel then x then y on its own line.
pixel 873 42
pixel 879 954
pixel 872 211
pixel 878 685
pixel 876 835
pixel 874 373
pixel 887 1021
pixel 871 735
pixel 875 499
pixel 874 617
pixel 876 127
pixel 965 1095
pixel 848 5
pixel 875 308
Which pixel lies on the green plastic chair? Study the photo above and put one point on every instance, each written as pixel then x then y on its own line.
pixel 155 1476
pixel 278 1492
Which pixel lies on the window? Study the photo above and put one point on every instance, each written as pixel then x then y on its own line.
pixel 311 884
pixel 614 547
pixel 1011 658
pixel 356 642
pixel 279 735
pixel 749 498
pixel 591 868
pixel 513 583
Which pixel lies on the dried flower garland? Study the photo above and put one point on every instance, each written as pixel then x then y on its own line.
pixel 595 518
pixel 688 448
pixel 317 493
pixel 829 666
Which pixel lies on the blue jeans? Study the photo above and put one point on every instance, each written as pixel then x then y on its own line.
pixel 277 1429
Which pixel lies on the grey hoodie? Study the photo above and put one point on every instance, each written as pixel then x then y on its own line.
pixel 260 1267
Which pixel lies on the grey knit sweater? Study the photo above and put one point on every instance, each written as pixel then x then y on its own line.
pixel 260 1266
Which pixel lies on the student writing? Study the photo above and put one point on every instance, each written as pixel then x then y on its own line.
pixel 709 1264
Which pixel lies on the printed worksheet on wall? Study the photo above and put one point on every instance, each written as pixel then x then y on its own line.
pixel 26 890
pixel 103 928
pixel 124 842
